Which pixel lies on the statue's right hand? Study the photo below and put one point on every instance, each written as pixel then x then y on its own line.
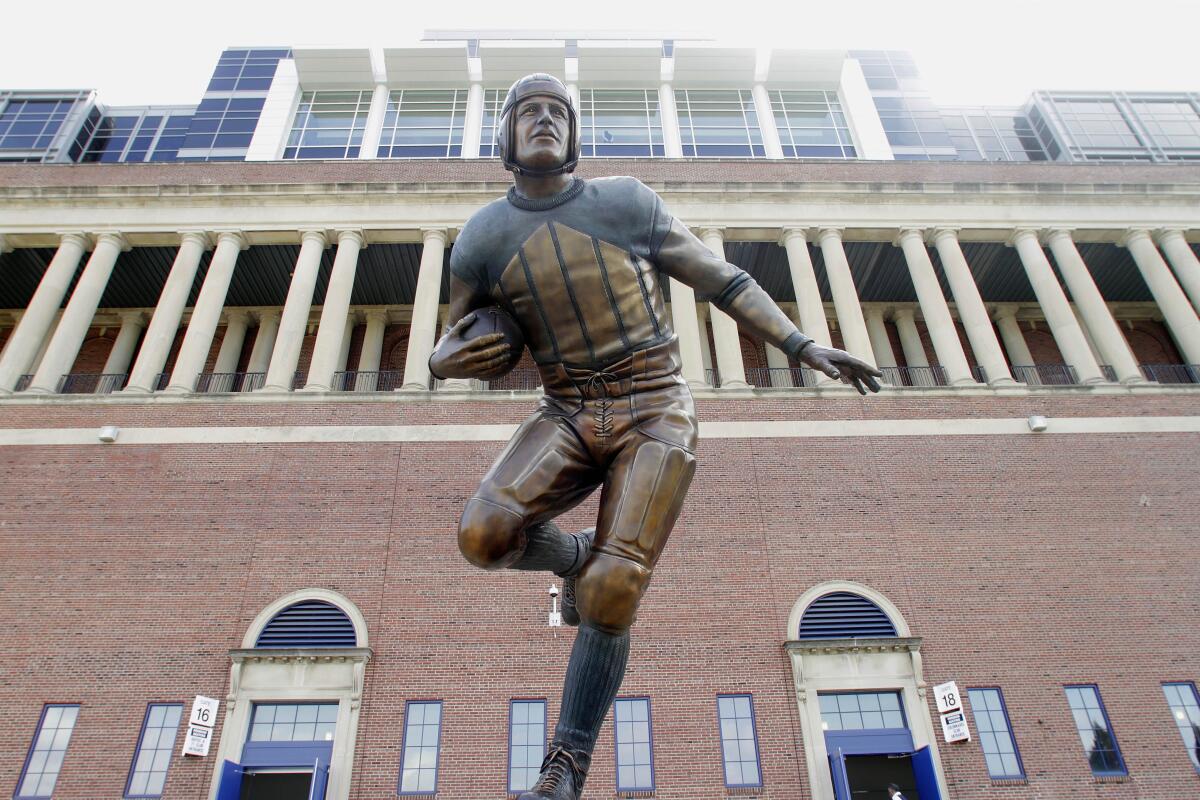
pixel 482 357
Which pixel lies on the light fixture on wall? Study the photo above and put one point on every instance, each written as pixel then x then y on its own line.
pixel 109 433
pixel 555 615
pixel 1037 423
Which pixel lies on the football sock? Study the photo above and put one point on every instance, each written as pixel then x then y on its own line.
pixel 594 675
pixel 548 548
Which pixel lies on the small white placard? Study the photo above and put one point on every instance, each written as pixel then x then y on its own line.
pixel 954 727
pixel 947 696
pixel 197 740
pixel 204 711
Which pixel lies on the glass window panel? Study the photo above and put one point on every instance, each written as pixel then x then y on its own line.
pixel 1095 732
pixel 47 749
pixel 1184 704
pixel 995 736
pixel 420 756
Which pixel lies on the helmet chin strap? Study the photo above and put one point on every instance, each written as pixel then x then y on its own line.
pixel 532 172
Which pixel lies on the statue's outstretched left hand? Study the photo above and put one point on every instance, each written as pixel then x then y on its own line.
pixel 840 365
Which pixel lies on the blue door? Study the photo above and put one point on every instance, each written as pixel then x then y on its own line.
pixel 924 775
pixel 320 778
pixel 837 769
pixel 230 785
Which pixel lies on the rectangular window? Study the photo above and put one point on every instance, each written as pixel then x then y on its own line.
pixel 526 743
pixel 148 772
pixel 47 751
pixel 635 749
pixel 293 722
pixel 995 734
pixel 718 123
pixel 423 123
pixel 620 123
pixel 1095 731
pixel 853 711
pixel 739 740
pixel 422 732
pixel 811 125
pixel 1185 709
pixel 327 125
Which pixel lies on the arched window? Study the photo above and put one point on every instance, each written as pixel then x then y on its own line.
pixel 845 615
pixel 308 623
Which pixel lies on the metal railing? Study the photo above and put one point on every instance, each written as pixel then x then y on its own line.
pixel 1045 374
pixel 979 373
pixel 712 377
pixel 524 380
pixel 933 375
pixel 1172 373
pixel 780 377
pixel 386 380
pixel 91 383
pixel 223 382
pixel 23 383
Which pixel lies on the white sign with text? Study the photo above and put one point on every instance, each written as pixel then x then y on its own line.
pixel 204 711
pixel 954 727
pixel 948 698
pixel 197 741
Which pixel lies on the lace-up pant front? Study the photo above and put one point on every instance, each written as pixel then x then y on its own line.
pixel 639 447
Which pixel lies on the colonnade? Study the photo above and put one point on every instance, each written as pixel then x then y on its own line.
pixel 1086 333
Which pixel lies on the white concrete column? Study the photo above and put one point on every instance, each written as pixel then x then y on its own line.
pixel 1097 319
pixel 121 355
pixel 422 334
pixel 971 310
pixel 344 355
pixel 942 332
pixel 1054 305
pixel 672 142
pixel 37 360
pixel 374 124
pixel 845 296
pixel 236 324
pixel 726 341
pixel 206 314
pixel 156 345
pixel 1183 261
pixel 264 342
pixel 809 308
pixel 33 330
pixel 777 362
pixel 4 248
pixel 881 345
pixel 1176 310
pixel 293 322
pixel 473 121
pixel 1014 339
pixel 686 323
pixel 910 338
pixel 766 121
pixel 78 315
pixel 372 352
pixel 332 328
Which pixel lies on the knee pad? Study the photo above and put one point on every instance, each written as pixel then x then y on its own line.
pixel 489 536
pixel 608 590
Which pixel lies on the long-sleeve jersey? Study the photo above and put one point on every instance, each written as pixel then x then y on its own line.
pixel 582 272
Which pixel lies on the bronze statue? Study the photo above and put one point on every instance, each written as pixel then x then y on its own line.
pixel 580 265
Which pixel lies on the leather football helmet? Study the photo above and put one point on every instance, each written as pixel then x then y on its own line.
pixel 539 83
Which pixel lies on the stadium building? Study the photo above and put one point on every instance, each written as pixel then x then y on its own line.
pixel 228 473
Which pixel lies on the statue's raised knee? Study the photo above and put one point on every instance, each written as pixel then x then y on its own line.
pixel 608 590
pixel 489 536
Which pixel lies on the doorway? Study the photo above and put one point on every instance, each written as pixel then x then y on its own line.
pixel 275 785
pixel 869 776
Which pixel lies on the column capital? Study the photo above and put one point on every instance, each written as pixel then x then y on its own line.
pixel 314 234
pixel 711 230
pixel 827 232
pixel 237 315
pixel 114 237
pixel 934 235
pixel 1057 232
pixel 4 248
pixel 874 311
pixel 908 234
pixel 376 315
pixel 81 238
pixel 233 238
pixel 439 234
pixel 1161 235
pixel 266 314
pixel 904 313
pixel 1005 311
pixel 351 234
pixel 197 235
pixel 788 234
pixel 1131 235
pixel 1021 233
pixel 132 317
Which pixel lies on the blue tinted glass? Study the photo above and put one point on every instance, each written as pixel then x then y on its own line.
pixel 213 104
pixel 204 125
pixel 251 84
pixel 197 140
pixel 221 85
pixel 238 125
pixel 233 139
pixel 246 103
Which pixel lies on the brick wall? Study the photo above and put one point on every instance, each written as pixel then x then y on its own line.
pixel 1023 562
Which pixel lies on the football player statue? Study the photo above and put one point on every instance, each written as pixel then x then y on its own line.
pixel 580 265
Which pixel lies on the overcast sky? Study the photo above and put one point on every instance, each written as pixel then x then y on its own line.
pixel 969 51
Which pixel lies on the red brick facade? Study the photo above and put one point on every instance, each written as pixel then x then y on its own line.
pixel 1024 562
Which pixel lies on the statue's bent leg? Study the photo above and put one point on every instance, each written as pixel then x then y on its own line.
pixel 542 472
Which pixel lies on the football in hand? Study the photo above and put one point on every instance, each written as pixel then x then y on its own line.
pixel 496 320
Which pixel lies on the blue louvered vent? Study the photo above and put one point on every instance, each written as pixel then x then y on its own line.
pixel 844 615
pixel 309 623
